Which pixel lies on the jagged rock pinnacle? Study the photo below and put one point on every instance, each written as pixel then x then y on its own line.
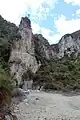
pixel 25 23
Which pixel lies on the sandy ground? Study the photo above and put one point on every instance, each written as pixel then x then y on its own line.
pixel 48 106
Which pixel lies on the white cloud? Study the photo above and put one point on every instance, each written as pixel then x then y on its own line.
pixel 35 27
pixel 78 12
pixel 40 9
pixel 64 26
pixel 74 2
pixel 50 35
pixel 47 33
pixel 36 3
pixel 52 39
pixel 13 10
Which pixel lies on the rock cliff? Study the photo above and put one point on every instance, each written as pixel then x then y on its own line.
pixel 26 52
pixel 30 51
pixel 68 45
pixel 22 54
pixel 42 47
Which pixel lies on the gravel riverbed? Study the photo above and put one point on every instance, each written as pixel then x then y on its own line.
pixel 48 106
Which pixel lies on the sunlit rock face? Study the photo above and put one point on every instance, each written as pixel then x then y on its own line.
pixel 30 51
pixel 68 45
pixel 22 54
pixel 26 33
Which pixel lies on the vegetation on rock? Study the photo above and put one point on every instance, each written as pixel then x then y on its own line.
pixel 59 74
pixel 41 46
pixel 5 87
pixel 8 33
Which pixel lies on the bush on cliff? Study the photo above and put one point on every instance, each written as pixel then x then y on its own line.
pixel 59 74
pixel 5 87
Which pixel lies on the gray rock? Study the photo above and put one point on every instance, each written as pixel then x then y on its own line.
pixel 68 45
pixel 18 92
pixel 23 56
pixel 8 117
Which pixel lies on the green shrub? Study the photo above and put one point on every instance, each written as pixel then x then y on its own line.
pixel 6 88
pixel 65 71
pixel 5 81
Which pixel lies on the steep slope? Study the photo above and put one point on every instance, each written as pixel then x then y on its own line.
pixel 62 72
pixel 43 50
pixel 28 52
pixel 8 32
pixel 22 54
pixel 68 45
pixel 56 65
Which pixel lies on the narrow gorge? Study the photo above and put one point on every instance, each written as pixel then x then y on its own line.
pixel 29 62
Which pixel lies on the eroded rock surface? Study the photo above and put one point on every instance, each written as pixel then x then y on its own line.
pixel 22 54
pixel 68 45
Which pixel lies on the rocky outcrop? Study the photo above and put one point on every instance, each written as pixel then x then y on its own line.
pixel 43 49
pixel 22 54
pixel 55 50
pixel 68 45
pixel 30 51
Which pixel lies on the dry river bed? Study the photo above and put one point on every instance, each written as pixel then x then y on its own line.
pixel 48 106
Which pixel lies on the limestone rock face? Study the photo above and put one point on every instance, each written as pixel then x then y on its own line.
pixel 55 50
pixel 30 51
pixel 68 45
pixel 43 48
pixel 26 33
pixel 22 54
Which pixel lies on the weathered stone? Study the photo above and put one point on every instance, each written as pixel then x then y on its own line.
pixel 8 117
pixel 68 45
pixel 22 56
pixel 43 47
pixel 27 85
pixel 31 50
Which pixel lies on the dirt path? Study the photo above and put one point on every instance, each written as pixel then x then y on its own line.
pixel 49 106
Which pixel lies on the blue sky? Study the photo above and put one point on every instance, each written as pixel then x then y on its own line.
pixel 51 18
